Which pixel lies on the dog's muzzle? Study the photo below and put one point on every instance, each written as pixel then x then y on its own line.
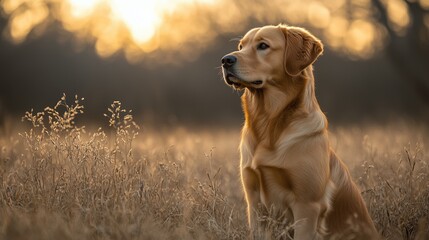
pixel 228 61
pixel 231 78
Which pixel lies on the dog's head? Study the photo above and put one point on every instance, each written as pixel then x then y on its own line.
pixel 268 55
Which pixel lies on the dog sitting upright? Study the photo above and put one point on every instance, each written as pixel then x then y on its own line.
pixel 286 160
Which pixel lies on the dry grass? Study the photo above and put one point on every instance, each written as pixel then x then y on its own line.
pixel 61 181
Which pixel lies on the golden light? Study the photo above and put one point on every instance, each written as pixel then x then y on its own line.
pixel 169 29
pixel 141 17
pixel 397 11
pixel 319 15
pixel 424 4
pixel 336 31
pixel 360 36
pixel 132 25
pixel 23 22
pixel 81 8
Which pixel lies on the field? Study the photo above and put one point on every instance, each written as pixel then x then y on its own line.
pixel 59 180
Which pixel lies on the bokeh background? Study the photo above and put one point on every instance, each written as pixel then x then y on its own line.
pixel 162 58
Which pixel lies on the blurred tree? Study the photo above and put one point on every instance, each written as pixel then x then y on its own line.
pixel 408 51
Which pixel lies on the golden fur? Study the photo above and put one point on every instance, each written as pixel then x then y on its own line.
pixel 286 159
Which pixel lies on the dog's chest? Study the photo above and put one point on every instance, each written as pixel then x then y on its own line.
pixel 275 181
pixel 276 186
pixel 260 153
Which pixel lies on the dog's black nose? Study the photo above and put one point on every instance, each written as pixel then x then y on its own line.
pixel 228 61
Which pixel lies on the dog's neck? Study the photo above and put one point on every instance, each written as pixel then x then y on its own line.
pixel 270 110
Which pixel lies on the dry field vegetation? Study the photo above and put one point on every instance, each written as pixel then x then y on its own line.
pixel 59 180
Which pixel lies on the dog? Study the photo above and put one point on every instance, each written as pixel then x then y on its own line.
pixel 286 159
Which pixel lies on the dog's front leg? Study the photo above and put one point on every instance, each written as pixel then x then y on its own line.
pixel 306 217
pixel 252 190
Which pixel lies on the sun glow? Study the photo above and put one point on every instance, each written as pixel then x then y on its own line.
pixel 131 25
pixel 170 30
pixel 141 17
pixel 81 8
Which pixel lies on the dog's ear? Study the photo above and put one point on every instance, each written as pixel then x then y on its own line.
pixel 301 50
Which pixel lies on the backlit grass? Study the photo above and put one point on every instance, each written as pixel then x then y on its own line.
pixel 59 180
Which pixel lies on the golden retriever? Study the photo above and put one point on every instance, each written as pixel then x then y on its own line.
pixel 286 159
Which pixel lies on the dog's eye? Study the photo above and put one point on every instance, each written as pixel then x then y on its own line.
pixel 240 46
pixel 262 46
